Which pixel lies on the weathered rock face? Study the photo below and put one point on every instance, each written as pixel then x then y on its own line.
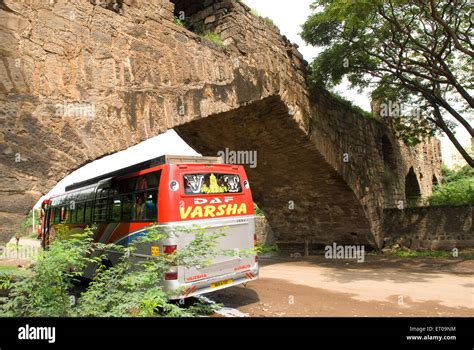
pixel 82 81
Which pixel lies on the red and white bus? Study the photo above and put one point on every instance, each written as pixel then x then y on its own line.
pixel 174 193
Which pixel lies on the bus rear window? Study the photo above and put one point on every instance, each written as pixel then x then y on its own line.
pixel 211 183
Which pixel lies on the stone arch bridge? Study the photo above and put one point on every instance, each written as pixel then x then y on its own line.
pixel 81 80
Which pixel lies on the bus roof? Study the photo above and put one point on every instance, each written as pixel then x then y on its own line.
pixel 165 159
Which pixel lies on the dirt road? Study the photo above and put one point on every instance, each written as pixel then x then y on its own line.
pixel 381 286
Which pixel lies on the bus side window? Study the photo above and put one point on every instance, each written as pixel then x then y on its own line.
pixel 127 208
pixel 67 215
pixel 87 212
pixel 80 213
pixel 72 215
pixel 116 209
pixel 57 215
pixel 139 206
pixel 151 205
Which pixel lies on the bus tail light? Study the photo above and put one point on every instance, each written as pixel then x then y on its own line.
pixel 171 276
pixel 169 249
pixel 254 240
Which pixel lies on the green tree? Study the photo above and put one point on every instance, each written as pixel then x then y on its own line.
pixel 415 52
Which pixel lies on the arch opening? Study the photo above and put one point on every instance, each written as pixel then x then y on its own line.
pixel 412 188
pixel 304 199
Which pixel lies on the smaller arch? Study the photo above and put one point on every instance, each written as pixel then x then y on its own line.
pixel 412 188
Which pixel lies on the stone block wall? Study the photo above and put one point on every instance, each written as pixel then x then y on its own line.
pixel 443 227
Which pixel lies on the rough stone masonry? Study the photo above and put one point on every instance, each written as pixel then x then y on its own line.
pixel 81 80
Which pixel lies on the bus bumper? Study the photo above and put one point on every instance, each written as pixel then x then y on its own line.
pixel 213 284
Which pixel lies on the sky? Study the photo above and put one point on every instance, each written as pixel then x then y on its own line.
pixel 288 18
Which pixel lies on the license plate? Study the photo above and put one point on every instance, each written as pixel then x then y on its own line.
pixel 221 283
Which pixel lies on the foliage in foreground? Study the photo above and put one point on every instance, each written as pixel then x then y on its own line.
pixel 127 289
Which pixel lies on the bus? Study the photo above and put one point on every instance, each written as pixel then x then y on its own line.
pixel 174 194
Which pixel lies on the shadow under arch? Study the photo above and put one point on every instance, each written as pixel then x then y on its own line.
pixel 303 197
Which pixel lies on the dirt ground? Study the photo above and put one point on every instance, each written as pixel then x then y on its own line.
pixel 380 286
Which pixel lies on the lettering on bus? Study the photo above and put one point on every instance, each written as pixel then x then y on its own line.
pixel 210 208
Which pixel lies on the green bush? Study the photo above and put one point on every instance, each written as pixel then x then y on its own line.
pixel 457 188
pixel 264 249
pixel 454 193
pixel 126 289
pixel 45 293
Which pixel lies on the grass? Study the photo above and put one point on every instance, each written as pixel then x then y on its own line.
pixel 255 13
pixel 212 37
pixel 264 249
pixel 411 253
pixel 12 270
pixel 348 104
pixel 178 21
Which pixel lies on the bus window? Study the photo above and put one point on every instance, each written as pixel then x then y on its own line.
pixel 211 183
pixel 72 215
pixel 116 209
pixel 127 207
pixel 151 205
pixel 130 185
pixel 87 212
pixel 139 206
pixel 152 179
pixel 67 215
pixel 80 212
pixel 57 215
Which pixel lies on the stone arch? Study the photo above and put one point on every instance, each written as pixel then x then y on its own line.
pixel 238 97
pixel 303 197
pixel 412 187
